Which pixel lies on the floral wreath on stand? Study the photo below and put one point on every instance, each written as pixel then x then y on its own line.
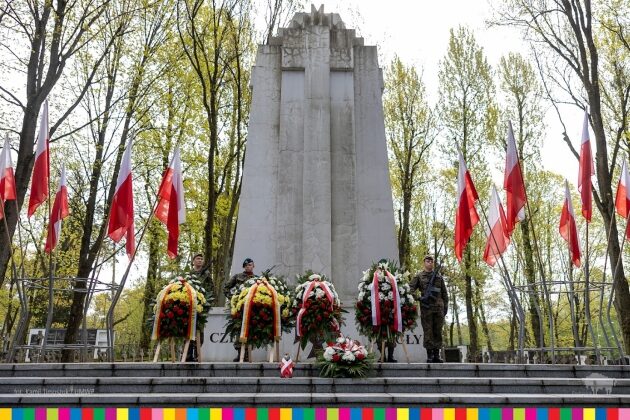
pixel 345 358
pixel 260 311
pixel 385 307
pixel 180 309
pixel 317 310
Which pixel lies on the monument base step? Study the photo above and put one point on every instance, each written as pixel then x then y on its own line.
pixel 312 400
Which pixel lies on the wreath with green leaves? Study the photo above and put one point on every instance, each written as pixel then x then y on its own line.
pixel 317 309
pixel 386 330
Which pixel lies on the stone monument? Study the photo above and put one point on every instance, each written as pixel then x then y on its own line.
pixel 316 191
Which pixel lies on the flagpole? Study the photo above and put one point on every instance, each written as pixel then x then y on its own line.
pixel 514 159
pixel 510 289
pixel 587 299
pixel 121 285
pixel 571 294
pixel 9 243
pixel 612 293
pixel 544 285
pixel 49 316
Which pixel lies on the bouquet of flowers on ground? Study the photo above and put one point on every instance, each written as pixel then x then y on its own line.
pixel 317 309
pixel 260 310
pixel 385 307
pixel 344 358
pixel 180 308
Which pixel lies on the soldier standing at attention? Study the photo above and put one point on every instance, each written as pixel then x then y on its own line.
pixel 201 273
pixel 230 288
pixel 433 307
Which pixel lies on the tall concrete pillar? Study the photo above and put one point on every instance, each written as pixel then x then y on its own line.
pixel 316 192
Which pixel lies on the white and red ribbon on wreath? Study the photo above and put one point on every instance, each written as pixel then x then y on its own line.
pixel 191 293
pixel 248 305
pixel 310 286
pixel 376 300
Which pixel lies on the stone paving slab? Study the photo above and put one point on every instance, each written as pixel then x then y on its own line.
pixel 116 385
pixel 307 399
pixel 305 370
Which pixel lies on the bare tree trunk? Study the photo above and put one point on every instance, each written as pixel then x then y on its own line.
pixel 45 65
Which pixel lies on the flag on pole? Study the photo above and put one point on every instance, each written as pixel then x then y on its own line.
pixel 466 215
pixel 587 170
pixel 60 211
pixel 513 184
pixel 121 212
pixel 41 167
pixel 171 209
pixel 498 238
pixel 622 200
pixel 568 228
pixel 7 177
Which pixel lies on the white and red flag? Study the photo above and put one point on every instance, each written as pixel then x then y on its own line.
pixel 513 184
pixel 60 211
pixel 121 212
pixel 622 200
pixel 568 227
pixel 7 177
pixel 41 167
pixel 466 216
pixel 587 170
pixel 498 238
pixel 171 208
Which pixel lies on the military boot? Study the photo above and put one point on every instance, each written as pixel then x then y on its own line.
pixel 390 354
pixel 436 356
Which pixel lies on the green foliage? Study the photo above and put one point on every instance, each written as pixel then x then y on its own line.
pixel 345 358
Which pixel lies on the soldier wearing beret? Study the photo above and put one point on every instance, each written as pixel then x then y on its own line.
pixel 231 287
pixel 433 307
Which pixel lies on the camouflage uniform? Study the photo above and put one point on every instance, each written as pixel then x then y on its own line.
pixel 236 280
pixel 431 314
pixel 202 276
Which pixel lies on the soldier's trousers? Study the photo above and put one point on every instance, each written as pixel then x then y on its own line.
pixel 432 324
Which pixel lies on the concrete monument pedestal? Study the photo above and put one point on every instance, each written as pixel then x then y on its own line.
pixel 217 346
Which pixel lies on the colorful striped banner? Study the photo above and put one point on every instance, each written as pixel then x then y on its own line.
pixel 320 413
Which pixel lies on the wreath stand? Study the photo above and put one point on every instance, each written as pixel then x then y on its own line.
pixel 273 351
pixel 382 349
pixel 184 352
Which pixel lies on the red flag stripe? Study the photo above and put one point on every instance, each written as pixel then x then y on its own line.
pixel 586 171
pixel 466 216
pixel 622 199
pixel 59 212
pixel 41 168
pixel 568 227
pixel 7 177
pixel 498 239
pixel 171 209
pixel 122 212
pixel 513 184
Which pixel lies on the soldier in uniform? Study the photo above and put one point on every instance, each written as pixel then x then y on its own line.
pixel 228 291
pixel 201 273
pixel 433 307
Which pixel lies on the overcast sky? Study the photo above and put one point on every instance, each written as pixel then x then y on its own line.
pixel 418 32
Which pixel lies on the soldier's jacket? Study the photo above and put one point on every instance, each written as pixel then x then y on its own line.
pixel 234 281
pixel 439 295
pixel 204 277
